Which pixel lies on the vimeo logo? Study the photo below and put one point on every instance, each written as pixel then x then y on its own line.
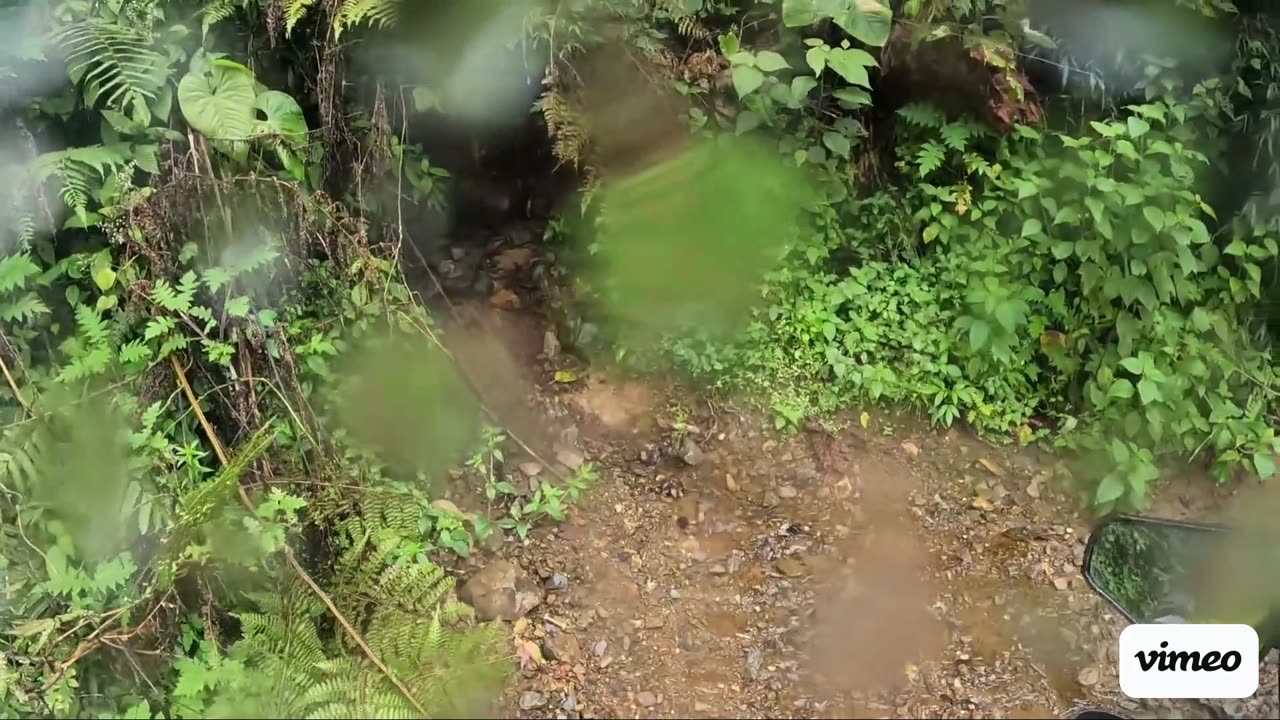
pixel 1189 661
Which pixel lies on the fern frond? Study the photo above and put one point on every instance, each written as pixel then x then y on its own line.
pixel 217 11
pixel 294 10
pixel 378 13
pixel 114 61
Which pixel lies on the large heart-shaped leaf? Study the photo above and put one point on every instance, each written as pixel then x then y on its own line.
pixel 219 103
pixel 866 20
pixel 283 116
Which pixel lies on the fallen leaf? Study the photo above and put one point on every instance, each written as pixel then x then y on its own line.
pixel 730 483
pixel 565 376
pixel 504 299
pixel 913 672
pixel 521 625
pixel 865 419
pixel 910 448
pixel 992 468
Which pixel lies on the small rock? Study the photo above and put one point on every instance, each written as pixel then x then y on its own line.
pixel 653 623
pixel 754 659
pixel 786 492
pixel 606 661
pixel 674 593
pixel 600 648
pixel 502 591
pixel 1088 677
pixel 1062 583
pixel 550 345
pixel 790 567
pixel 556 582
pixel 646 699
pixel 730 483
pixel 717 569
pixel 564 647
pixel 991 467
pixel 446 506
pixel 982 503
pixel 770 499
pixel 530 468
pixel 910 448
pixel 570 458
pixel 504 299
pixel 531 700
pixel 701 707
pixel 690 453
pixel 570 703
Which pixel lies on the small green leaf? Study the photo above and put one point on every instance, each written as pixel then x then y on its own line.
pixel 770 61
pixel 104 277
pixel 852 98
pixel 836 143
pixel 816 58
pixel 1109 490
pixel 746 80
pixel 1155 216
pixel 801 85
pixel 1149 391
pixel 1137 126
pixel 1121 388
pixel 1264 464
pixel 850 66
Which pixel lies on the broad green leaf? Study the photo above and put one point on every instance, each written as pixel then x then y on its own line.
pixel 1121 388
pixel 283 116
pixel 746 80
pixel 1137 126
pixel 852 98
pixel 816 58
pixel 801 85
pixel 770 61
pixel 1264 464
pixel 979 331
pixel 219 104
pixel 1155 216
pixel 1148 391
pixel 866 20
pixel 1109 490
pixel 1031 226
pixel 849 65
pixel 836 143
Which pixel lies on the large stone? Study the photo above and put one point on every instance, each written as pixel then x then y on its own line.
pixel 501 591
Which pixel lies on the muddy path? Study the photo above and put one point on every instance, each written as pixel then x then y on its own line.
pixel 717 569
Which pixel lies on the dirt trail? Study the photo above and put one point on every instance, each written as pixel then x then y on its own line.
pixel 716 570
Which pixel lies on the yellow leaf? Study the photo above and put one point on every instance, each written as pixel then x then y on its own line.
pixel 565 376
pixel 865 419
pixel 521 625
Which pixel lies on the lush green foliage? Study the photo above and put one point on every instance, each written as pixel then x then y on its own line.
pixel 1032 266
pixel 194 523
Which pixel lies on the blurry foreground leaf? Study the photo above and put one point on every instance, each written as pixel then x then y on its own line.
pixel 405 402
pixel 687 241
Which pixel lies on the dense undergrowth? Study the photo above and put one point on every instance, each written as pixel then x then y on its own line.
pixel 228 417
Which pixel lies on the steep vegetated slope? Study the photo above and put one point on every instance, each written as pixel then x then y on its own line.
pixel 221 475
